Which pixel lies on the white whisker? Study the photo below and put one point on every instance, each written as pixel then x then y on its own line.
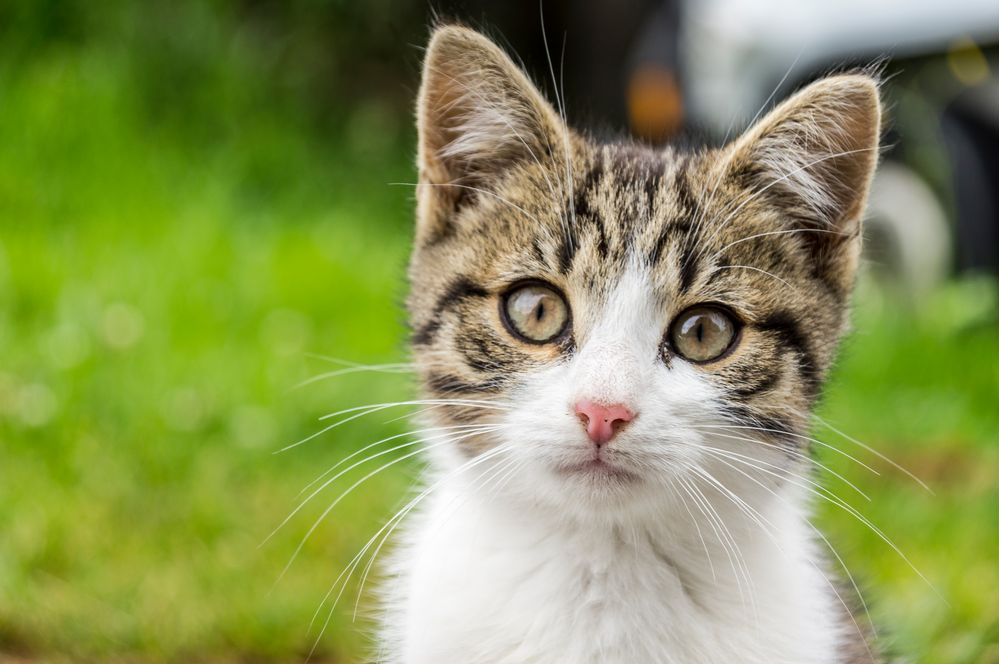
pixel 697 528
pixel 791 231
pixel 755 269
pixel 458 427
pixel 374 408
pixel 352 565
pixel 799 436
pixel 770 531
pixel 875 452
pixel 831 498
pixel 560 103
pixel 798 455
pixel 470 188
pixel 375 368
pixel 389 464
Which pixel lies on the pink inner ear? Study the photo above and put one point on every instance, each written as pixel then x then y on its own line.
pixel 602 421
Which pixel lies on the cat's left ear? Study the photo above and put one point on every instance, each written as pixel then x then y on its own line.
pixel 814 156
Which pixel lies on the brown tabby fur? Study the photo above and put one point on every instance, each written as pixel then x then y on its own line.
pixel 769 226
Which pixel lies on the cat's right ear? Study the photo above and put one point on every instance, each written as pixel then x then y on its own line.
pixel 814 157
pixel 477 115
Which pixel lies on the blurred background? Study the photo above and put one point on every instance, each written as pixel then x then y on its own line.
pixel 196 216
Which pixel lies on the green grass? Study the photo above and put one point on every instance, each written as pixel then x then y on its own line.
pixel 922 389
pixel 160 295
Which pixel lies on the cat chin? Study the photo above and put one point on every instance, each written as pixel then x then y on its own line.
pixel 597 487
pixel 598 471
pixel 585 492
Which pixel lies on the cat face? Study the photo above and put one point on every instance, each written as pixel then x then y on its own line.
pixel 626 317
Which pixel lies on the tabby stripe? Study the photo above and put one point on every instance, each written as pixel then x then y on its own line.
pixel 689 266
pixel 584 213
pixel 748 417
pixel 444 384
pixel 567 249
pixel 653 179
pixel 459 290
pixel 670 232
pixel 588 186
pixel 783 325
pixel 487 358
pixel 685 198
pixel 539 253
pixel 596 220
pixel 763 384
pixel 820 273
pixel 768 427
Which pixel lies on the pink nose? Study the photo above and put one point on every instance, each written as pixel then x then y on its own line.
pixel 602 421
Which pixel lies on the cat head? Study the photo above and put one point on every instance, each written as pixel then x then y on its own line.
pixel 609 319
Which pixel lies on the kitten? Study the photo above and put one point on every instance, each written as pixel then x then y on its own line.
pixel 625 345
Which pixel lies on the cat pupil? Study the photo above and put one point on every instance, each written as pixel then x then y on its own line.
pixel 539 312
pixel 700 332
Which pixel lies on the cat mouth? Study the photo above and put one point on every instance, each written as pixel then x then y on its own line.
pixel 598 468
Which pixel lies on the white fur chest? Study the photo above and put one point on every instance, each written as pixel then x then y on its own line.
pixel 477 582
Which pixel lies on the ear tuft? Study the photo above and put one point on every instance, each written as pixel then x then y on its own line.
pixel 477 114
pixel 818 150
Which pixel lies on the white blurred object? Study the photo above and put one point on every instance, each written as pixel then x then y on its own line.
pixel 737 51
pixel 907 232
pixel 740 57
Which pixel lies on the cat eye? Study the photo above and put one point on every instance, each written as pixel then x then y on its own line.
pixel 535 312
pixel 703 333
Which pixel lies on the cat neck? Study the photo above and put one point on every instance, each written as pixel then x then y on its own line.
pixel 702 538
pixel 479 568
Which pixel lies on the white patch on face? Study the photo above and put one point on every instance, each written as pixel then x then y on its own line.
pixel 618 361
